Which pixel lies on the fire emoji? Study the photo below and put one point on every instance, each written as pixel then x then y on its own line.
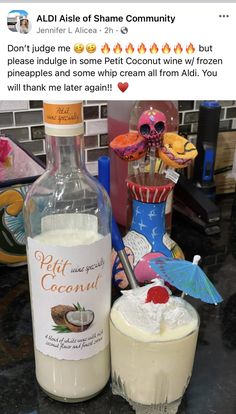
pixel 142 49
pixel 105 49
pixel 178 49
pixel 153 49
pixel 190 49
pixel 166 48
pixel 117 49
pixel 129 49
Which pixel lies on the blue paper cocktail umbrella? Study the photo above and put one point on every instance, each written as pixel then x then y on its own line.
pixel 186 276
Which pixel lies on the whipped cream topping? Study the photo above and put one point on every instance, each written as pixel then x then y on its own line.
pixel 171 320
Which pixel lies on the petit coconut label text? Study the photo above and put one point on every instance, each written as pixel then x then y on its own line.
pixel 70 290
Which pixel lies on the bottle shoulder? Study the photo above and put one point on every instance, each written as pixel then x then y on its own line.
pixel 72 192
pixel 74 179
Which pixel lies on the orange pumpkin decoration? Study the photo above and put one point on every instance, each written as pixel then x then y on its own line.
pixel 177 151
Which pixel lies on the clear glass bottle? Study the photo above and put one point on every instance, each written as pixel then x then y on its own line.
pixel 67 220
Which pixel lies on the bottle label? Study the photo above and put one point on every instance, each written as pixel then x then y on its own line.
pixel 70 297
pixel 62 113
pixel 63 118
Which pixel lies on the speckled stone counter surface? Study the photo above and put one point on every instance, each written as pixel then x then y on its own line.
pixel 212 389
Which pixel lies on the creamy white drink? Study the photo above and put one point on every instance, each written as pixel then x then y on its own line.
pixel 152 347
pixel 71 379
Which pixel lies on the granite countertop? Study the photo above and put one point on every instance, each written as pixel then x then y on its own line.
pixel 212 389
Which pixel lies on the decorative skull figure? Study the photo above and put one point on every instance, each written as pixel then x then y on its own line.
pixel 151 126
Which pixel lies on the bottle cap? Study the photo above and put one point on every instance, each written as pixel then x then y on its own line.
pixel 63 118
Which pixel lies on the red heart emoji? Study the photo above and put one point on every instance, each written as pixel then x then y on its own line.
pixel 123 86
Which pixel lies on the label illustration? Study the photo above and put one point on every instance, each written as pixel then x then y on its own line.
pixel 70 295
pixel 71 319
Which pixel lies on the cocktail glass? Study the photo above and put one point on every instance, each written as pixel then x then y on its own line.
pixel 151 376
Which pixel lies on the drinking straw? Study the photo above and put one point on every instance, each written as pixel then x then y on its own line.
pixel 117 241
pixel 119 247
pixel 152 160
pixel 136 167
pixel 162 167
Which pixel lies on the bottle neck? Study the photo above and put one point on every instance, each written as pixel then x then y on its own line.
pixel 65 154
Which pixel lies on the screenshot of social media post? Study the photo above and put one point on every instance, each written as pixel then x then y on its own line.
pixel 117 208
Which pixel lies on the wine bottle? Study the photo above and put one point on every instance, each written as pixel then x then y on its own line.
pixel 67 217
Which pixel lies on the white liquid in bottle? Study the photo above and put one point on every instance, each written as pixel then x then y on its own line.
pixel 73 379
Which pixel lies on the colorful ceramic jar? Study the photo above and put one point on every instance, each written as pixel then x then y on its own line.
pixel 147 237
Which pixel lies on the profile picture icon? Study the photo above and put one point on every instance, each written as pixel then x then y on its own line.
pixel 23 26
pixel 18 21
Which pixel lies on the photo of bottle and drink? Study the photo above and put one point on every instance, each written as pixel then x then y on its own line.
pixel 117 208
